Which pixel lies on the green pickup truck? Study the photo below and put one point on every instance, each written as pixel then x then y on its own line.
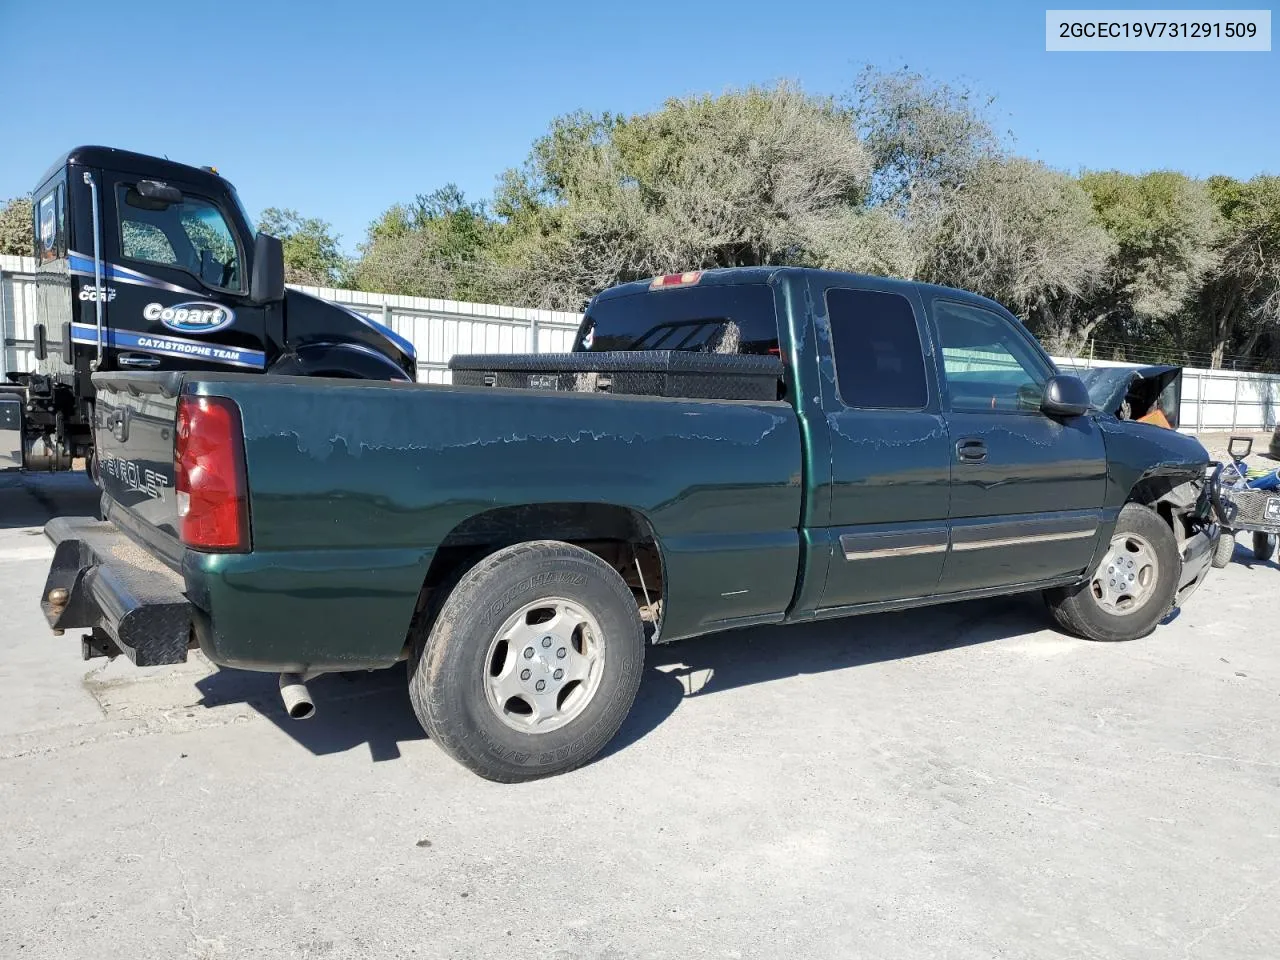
pixel 521 546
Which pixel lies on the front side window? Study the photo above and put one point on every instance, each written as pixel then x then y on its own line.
pixel 989 363
pixel 192 235
pixel 144 241
pixel 879 360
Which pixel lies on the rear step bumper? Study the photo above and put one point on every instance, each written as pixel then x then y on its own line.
pixel 116 588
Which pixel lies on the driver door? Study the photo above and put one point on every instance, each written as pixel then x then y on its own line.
pixel 177 283
pixel 1026 489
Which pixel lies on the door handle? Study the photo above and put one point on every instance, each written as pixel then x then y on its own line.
pixel 971 450
pixel 135 360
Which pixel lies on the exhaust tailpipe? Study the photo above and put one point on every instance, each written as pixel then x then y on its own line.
pixel 297 699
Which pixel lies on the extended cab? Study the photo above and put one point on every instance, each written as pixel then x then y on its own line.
pixel 519 546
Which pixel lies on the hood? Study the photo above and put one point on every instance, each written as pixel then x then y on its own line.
pixel 1108 386
pixel 313 320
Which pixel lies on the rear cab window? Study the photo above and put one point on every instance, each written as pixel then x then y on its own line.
pixel 718 318
pixel 878 355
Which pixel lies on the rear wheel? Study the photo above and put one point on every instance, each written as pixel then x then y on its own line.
pixel 1132 588
pixel 1224 547
pixel 532 663
pixel 1264 545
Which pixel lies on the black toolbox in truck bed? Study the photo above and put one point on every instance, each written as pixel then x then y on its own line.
pixel 655 373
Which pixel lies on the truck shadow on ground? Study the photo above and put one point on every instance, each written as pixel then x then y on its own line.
pixel 32 499
pixel 725 661
pixel 373 708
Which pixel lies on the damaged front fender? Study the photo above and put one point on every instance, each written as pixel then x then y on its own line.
pixel 1171 473
pixel 1149 461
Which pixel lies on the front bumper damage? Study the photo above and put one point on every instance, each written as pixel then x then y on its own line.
pixel 1197 557
pixel 1206 518
pixel 102 581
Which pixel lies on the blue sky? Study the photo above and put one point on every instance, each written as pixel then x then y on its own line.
pixel 340 109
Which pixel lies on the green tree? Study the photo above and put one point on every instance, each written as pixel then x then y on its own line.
pixel 924 137
pixel 950 203
pixel 435 246
pixel 1164 227
pixel 15 228
pixel 1017 231
pixel 1241 300
pixel 311 253
pixel 763 175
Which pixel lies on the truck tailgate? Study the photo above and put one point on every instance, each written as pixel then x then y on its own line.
pixel 122 577
pixel 133 434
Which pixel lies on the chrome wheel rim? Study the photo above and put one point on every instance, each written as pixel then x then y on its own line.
pixel 543 666
pixel 1126 579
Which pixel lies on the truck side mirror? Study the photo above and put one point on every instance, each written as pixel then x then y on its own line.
pixel 1065 396
pixel 267 283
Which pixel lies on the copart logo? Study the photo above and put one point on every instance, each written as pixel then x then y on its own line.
pixel 197 317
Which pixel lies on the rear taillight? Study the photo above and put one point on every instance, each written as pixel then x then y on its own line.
pixel 208 467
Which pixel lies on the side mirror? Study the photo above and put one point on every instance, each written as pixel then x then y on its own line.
pixel 158 191
pixel 267 283
pixel 1065 396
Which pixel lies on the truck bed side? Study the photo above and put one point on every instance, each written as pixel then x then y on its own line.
pixel 355 488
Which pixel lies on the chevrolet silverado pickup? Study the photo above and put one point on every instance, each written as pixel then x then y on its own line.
pixel 519 545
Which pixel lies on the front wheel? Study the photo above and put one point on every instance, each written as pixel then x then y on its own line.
pixel 1132 588
pixel 532 663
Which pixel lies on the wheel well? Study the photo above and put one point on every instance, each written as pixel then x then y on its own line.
pixel 620 536
pixel 1172 497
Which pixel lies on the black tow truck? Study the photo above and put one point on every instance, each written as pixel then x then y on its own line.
pixel 146 264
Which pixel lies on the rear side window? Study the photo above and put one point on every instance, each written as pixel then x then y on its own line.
pixel 50 225
pixel 737 318
pixel 879 361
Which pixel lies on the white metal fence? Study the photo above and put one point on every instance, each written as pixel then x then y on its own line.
pixel 1211 399
pixel 441 328
pixel 17 314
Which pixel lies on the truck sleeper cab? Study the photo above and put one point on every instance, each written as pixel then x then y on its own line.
pixel 520 546
pixel 147 264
